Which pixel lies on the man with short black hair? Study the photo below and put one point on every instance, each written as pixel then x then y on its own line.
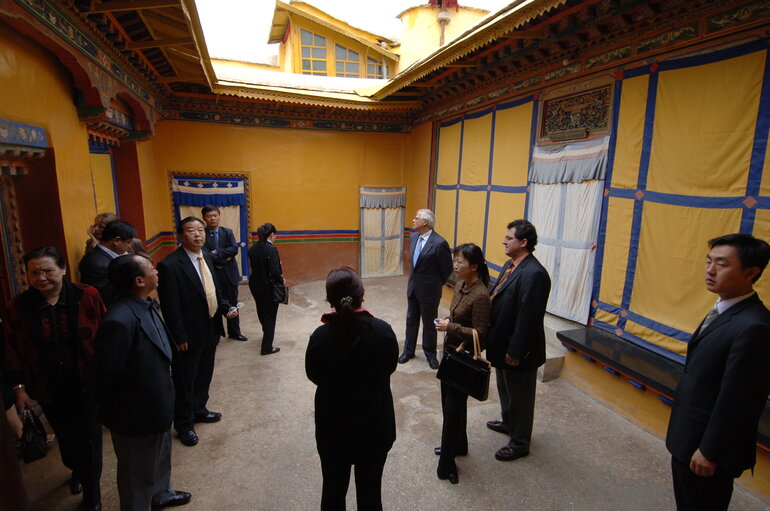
pixel 134 389
pixel 220 242
pixel 116 240
pixel 712 433
pixel 192 306
pixel 516 337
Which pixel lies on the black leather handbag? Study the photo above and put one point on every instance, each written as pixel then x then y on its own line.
pixel 34 441
pixel 468 373
pixel 280 292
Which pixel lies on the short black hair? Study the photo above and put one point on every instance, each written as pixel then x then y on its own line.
pixel 185 221
pixel 51 252
pixel 752 252
pixel 118 229
pixel 208 209
pixel 123 271
pixel 525 231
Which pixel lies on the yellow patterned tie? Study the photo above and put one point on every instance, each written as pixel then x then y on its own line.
pixel 502 280
pixel 208 286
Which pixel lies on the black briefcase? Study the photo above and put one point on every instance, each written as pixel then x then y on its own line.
pixel 34 440
pixel 468 373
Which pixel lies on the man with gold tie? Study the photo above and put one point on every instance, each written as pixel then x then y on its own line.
pixel 712 433
pixel 192 307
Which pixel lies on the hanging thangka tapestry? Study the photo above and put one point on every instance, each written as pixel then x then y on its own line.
pixel 190 193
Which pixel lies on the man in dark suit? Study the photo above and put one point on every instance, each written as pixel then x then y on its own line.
pixel 516 337
pixel 220 242
pixel 134 389
pixel 192 306
pixel 712 433
pixel 431 265
pixel 116 239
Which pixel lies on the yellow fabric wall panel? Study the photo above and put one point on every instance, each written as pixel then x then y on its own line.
pixel 611 319
pixel 619 216
pixel 470 220
pixel 417 170
pixel 299 179
pixel 37 90
pixel 503 208
pixel 448 154
pixel 104 184
pixel 669 283
pixel 764 188
pixel 445 213
pixel 510 162
pixel 628 144
pixel 475 157
pixel 155 191
pixel 704 127
pixel 762 230
pixel 664 341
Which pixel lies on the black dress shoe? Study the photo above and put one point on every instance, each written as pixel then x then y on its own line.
pixel 432 361
pixel 239 337
pixel 175 498
pixel 498 426
pixel 437 452
pixel 188 438
pixel 451 475
pixel 270 351
pixel 509 453
pixel 90 507
pixel 404 358
pixel 75 486
pixel 208 417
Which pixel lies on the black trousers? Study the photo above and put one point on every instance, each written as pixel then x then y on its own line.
pixel 267 312
pixel 517 404
pixel 193 370
pixel 427 312
pixel 454 437
pixel 695 493
pixel 72 416
pixel 336 474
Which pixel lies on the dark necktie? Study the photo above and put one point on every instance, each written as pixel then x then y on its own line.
pixel 216 239
pixel 711 316
pixel 502 280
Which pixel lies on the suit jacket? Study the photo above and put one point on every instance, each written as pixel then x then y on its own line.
pixel 183 300
pixel 93 271
pixel 723 391
pixel 518 310
pixel 354 414
pixel 433 267
pixel 265 268
pixel 132 370
pixel 224 259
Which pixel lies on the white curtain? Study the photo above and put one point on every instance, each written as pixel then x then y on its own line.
pixel 566 216
pixel 382 241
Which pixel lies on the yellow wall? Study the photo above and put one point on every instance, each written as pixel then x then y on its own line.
pixel 35 89
pixel 156 200
pixel 421 32
pixel 299 179
pixel 418 170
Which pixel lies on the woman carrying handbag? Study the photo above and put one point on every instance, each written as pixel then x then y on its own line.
pixel 469 311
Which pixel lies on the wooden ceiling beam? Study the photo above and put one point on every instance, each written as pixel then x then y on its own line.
pixel 159 43
pixel 182 78
pixel 133 5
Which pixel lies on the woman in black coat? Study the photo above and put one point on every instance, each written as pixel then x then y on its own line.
pixel 350 358
pixel 265 269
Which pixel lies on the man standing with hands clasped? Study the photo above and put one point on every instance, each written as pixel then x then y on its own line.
pixel 712 433
pixel 431 266
pixel 516 337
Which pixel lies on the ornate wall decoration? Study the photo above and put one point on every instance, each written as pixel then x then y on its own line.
pixel 608 57
pixel 562 71
pixel 676 35
pixel 11 236
pixel 588 111
pixel 754 11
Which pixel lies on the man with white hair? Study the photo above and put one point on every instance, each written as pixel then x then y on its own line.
pixel 431 263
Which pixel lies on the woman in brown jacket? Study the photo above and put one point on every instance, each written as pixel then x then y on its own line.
pixel 469 310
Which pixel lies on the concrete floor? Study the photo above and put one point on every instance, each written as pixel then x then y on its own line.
pixel 262 455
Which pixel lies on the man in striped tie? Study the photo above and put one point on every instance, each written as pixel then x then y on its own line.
pixel 193 307
pixel 712 433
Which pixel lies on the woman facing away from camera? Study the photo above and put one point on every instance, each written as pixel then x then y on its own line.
pixel 265 269
pixel 350 358
pixel 469 311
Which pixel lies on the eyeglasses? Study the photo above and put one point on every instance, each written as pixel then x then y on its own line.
pixel 38 273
